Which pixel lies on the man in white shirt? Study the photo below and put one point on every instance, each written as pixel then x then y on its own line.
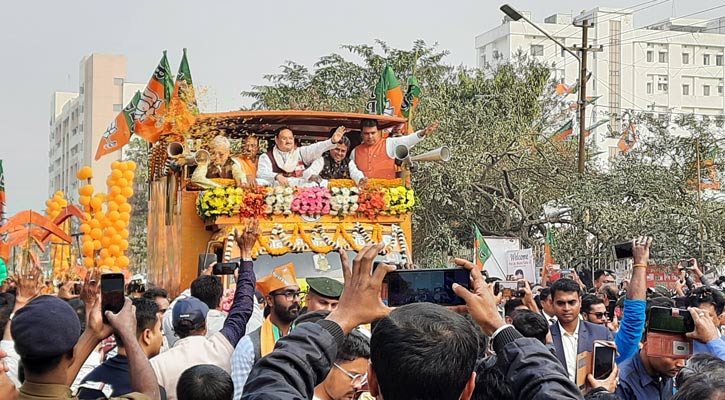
pixel 375 156
pixel 285 163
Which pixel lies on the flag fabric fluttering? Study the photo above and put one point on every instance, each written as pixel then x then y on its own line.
pixel 387 96
pixel 154 102
pixel 119 132
pixel 563 88
pixel 548 248
pixel 628 138
pixel 564 131
pixel 594 126
pixel 481 249
pixel 411 98
pixel 708 173
pixel 183 108
pixel 590 100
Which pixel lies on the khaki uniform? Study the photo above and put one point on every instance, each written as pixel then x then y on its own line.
pixel 41 391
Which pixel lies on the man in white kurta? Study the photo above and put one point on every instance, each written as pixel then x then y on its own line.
pixel 283 165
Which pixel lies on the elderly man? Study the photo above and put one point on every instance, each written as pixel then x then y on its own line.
pixel 285 163
pixel 375 156
pixel 220 165
pixel 334 164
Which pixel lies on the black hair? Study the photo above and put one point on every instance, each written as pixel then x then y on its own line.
pixel 436 346
pixel 544 294
pixel 146 316
pixel 698 364
pixel 598 273
pixel 7 303
pixel 356 345
pixel 205 382
pixel 511 305
pixel 367 123
pixel 589 300
pixel 154 292
pixel 208 289
pixel 707 386
pixel 565 285
pixel 610 290
pixel 707 295
pixel 280 129
pixel 530 324
pixel 80 308
pixel 655 302
pixel 42 365
pixel 491 382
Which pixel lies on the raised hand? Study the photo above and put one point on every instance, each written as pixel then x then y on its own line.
pixel 480 301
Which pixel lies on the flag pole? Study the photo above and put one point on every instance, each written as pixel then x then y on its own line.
pixel 699 198
pixel 412 109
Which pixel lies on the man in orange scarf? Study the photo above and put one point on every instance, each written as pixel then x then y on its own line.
pixel 250 157
pixel 283 296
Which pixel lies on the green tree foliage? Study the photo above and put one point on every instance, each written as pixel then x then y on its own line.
pixel 137 150
pixel 506 175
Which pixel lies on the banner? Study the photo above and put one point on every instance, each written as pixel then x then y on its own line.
pixel 662 275
pixel 520 264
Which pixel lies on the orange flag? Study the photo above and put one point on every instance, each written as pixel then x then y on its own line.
pixel 118 134
pixel 154 101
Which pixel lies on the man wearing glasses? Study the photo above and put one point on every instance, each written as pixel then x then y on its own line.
pixel 284 298
pixel 594 310
pixel 349 373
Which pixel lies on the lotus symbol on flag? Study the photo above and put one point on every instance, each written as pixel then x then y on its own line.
pixel 147 105
pixel 110 143
pixel 372 106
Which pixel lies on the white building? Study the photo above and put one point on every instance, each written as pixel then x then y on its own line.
pixel 674 66
pixel 77 121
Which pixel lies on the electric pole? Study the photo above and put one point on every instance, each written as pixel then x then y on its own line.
pixel 583 50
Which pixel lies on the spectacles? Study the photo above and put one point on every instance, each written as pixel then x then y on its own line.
pixel 291 295
pixel 357 379
pixel 598 314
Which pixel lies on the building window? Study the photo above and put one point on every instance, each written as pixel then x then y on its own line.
pixel 117 107
pixel 537 50
pixel 649 87
pixel 685 58
pixel 685 90
pixel 662 84
pixel 663 57
pixel 705 90
pixel 719 88
pixel 705 59
pixel 118 81
pixel 563 52
pixel 718 60
pixel 650 56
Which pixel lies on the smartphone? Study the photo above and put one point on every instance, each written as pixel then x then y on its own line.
pixel 603 360
pixel 670 320
pixel 426 285
pixel 226 268
pixel 500 286
pixel 688 264
pixel 205 260
pixel 623 250
pixel 566 273
pixel 77 288
pixel 112 293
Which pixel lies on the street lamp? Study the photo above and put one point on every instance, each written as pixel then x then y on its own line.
pixel 516 16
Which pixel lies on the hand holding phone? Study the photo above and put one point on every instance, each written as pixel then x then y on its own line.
pixel 426 285
pixel 603 357
pixel 112 297
pixel 227 268
pixel 623 250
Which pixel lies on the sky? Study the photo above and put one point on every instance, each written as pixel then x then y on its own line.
pixel 231 46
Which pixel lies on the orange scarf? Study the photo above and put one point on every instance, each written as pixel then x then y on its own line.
pixel 266 338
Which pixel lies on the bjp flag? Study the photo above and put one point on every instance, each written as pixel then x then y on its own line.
pixel 118 134
pixel 183 107
pixel 387 96
pixel 154 102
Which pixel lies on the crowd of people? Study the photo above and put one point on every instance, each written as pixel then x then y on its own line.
pixel 341 341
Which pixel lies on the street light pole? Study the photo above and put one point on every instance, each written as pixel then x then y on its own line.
pixel 516 15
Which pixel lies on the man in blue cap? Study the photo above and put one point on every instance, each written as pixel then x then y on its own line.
pixel 46 333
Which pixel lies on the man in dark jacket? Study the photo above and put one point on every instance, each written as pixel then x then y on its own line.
pixel 303 359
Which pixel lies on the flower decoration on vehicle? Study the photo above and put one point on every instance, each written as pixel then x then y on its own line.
pixel 279 200
pixel 371 202
pixel 312 201
pixel 344 201
pixel 219 202
pixel 398 200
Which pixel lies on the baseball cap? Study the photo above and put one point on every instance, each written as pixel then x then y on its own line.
pixel 45 327
pixel 189 314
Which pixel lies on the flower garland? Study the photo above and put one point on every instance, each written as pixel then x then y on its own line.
pixel 398 200
pixel 371 202
pixel 344 201
pixel 312 201
pixel 279 200
pixel 319 231
pixel 219 201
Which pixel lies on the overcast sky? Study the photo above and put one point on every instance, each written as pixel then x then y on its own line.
pixel 231 45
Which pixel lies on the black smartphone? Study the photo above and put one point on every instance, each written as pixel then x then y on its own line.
pixel 77 288
pixel 426 285
pixel 225 268
pixel 603 361
pixel 623 250
pixel 565 273
pixel 670 320
pixel 112 293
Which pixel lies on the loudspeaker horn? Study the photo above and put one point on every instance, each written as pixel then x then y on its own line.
pixel 440 154
pixel 175 149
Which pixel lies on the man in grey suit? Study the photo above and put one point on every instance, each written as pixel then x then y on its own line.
pixel 571 335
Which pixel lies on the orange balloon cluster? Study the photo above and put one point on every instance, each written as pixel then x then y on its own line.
pixel 62 256
pixel 105 233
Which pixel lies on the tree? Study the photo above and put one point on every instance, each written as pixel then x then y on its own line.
pixel 506 175
pixel 137 150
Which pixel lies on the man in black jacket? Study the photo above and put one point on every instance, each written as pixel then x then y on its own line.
pixel 303 359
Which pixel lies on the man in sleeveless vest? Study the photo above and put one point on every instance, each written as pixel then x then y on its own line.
pixel 284 163
pixel 375 156
pixel 220 165
pixel 334 164
pixel 283 296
